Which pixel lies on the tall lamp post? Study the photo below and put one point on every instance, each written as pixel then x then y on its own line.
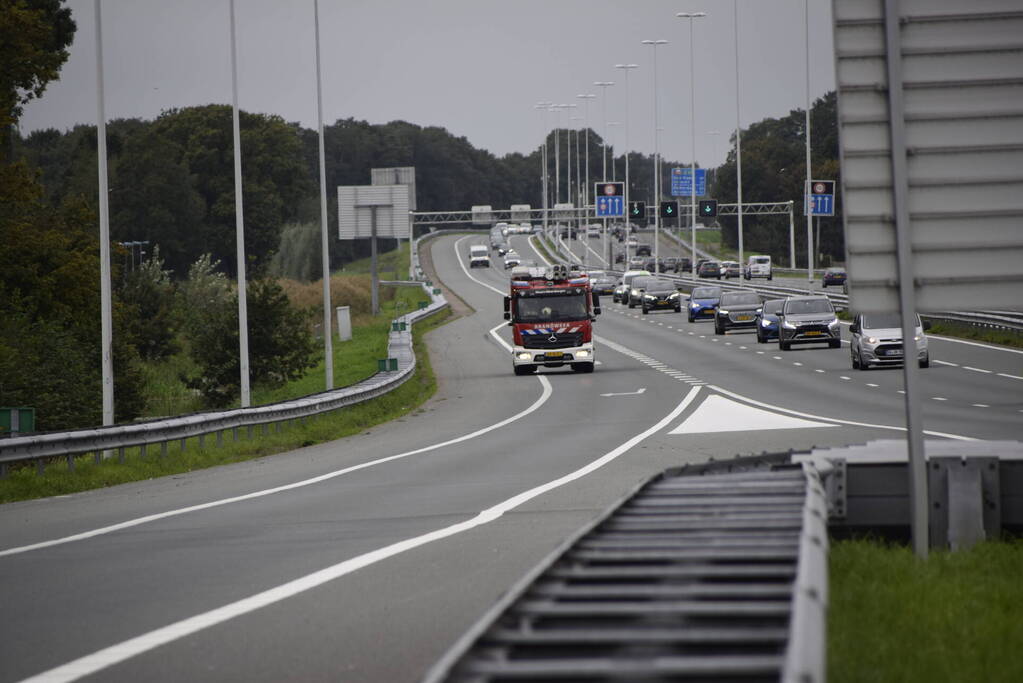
pixel 809 174
pixel 604 85
pixel 692 129
pixel 626 68
pixel 738 137
pixel 613 124
pixel 542 108
pixel 568 155
pixel 578 182
pixel 586 124
pixel 657 170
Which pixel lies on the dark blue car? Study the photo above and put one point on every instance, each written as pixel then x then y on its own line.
pixel 767 320
pixel 703 302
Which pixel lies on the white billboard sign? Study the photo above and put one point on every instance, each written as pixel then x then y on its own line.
pixel 358 205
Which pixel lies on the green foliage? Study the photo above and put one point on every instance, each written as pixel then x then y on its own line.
pixel 298 255
pixel 34 36
pixel 953 617
pixel 148 295
pixel 280 346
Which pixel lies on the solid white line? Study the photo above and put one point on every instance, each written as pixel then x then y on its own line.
pixel 942 362
pixel 871 385
pixel 1004 374
pixel 740 397
pixel 980 405
pixel 973 343
pixel 101 659
pixel 967 367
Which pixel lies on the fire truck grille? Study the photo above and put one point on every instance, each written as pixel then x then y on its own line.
pixel 561 340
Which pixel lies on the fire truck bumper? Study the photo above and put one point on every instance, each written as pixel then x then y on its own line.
pixel 553 358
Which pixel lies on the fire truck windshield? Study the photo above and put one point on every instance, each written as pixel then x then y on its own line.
pixel 546 308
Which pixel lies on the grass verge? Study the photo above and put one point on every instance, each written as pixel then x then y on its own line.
pixel 955 617
pixel 24 483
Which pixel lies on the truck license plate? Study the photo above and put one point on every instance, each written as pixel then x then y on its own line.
pixel 814 333
pixel 554 354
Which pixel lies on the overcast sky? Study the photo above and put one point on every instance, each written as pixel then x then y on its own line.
pixel 474 67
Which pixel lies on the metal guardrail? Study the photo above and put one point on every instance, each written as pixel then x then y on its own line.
pixel 709 575
pixel 71 444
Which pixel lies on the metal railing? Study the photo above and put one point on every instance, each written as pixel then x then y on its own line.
pixel 42 447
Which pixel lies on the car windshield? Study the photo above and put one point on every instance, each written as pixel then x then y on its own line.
pixel 880 321
pixel 550 308
pixel 660 285
pixel 644 282
pixel 706 293
pixel 800 306
pixel 761 259
pixel 739 298
pixel 774 306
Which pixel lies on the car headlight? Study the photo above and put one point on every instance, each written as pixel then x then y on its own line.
pixel 650 297
pixel 871 340
pixel 788 326
pixel 916 337
pixel 764 322
pixel 582 354
pixel 634 292
pixel 833 323
pixel 524 356
pixel 674 296
pixel 722 311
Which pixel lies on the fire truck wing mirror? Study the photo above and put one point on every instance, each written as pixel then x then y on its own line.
pixel 507 308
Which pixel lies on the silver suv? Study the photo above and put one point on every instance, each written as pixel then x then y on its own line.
pixel 877 340
pixel 806 319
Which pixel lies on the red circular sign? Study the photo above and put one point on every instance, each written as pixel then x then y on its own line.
pixel 819 188
pixel 610 189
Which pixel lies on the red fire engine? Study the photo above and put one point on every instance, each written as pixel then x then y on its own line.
pixel 551 312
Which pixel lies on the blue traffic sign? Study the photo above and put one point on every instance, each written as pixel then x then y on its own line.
pixel 611 206
pixel 821 200
pixel 682 182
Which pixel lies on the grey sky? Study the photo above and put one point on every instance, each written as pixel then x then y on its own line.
pixel 474 67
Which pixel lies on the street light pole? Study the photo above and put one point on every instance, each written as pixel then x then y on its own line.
pixel 614 177
pixel 738 138
pixel 692 129
pixel 626 68
pixel 809 175
pixel 586 124
pixel 657 177
pixel 604 85
pixel 542 108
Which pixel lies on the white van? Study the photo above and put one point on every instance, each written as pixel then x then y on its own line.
pixel 757 266
pixel 479 256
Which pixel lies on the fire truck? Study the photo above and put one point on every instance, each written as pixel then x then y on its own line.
pixel 551 312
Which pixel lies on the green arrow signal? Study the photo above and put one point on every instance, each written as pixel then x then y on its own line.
pixel 670 210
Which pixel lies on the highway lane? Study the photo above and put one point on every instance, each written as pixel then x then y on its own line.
pixel 976 387
pixel 390 619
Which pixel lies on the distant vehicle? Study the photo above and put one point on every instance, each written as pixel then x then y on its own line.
pixel 638 263
pixel 730 269
pixel 709 269
pixel 661 293
pixel 644 249
pixel 668 264
pixel 621 294
pixel 833 276
pixel 767 320
pixel 593 231
pixel 703 302
pixel 650 264
pixel 637 289
pixel 758 265
pixel 684 265
pixel 736 310
pixel 479 256
pixel 620 257
pixel 601 282
pixel 537 229
pixel 806 319
pixel 632 243
pixel 511 258
pixel 877 340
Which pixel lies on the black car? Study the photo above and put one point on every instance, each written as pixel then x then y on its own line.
pixel 736 310
pixel 643 249
pixel 660 293
pixel 669 264
pixel 806 319
pixel 649 264
pixel 833 276
pixel 683 265
pixel 709 269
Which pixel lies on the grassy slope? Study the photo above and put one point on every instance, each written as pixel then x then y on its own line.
pixel 956 617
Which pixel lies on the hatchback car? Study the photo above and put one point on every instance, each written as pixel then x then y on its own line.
pixel 767 320
pixel 511 258
pixel 660 293
pixel 703 302
pixel 877 340
pixel 806 319
pixel 709 269
pixel 833 276
pixel 621 292
pixel 736 310
pixel 730 269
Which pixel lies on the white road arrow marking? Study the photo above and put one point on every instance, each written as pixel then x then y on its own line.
pixel 628 393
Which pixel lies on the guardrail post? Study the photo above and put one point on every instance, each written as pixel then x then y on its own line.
pixel 163 450
pixel 120 455
pixel 202 441
pixel 235 430
pixel 184 441
pixel 220 438
pixel 3 470
pixel 40 467
pixel 265 429
pixel 142 451
pixel 248 432
pixel 70 462
pixel 97 457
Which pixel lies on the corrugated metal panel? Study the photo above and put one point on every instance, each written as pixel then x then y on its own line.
pixel 399 175
pixel 962 80
pixel 355 206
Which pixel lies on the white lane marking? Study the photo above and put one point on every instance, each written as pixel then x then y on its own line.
pixel 900 391
pixel 980 405
pixel 719 414
pixel 797 363
pixel 627 393
pixel 1004 374
pixel 967 367
pixel 938 398
pixel 942 362
pixel 844 377
pixel 101 659
pixel 797 413
pixel 869 384
pixel 760 353
pixel 819 370
pixel 973 343
pixel 743 348
pixel 776 357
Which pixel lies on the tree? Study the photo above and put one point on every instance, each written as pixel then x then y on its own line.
pixel 280 345
pixel 148 295
pixel 34 36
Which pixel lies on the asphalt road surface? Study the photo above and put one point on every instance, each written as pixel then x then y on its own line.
pixel 365 558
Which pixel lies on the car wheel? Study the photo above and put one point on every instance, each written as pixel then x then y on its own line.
pixel 862 364
pixel 690 317
pixel 582 367
pixel 855 361
pixel 646 311
pixel 525 369
pixel 678 309
pixel 926 362
pixel 760 338
pixel 770 277
pixel 631 304
pixel 783 345
pixel 834 343
pixel 718 329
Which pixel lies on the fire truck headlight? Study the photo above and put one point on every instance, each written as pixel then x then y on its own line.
pixel 524 356
pixel 582 354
